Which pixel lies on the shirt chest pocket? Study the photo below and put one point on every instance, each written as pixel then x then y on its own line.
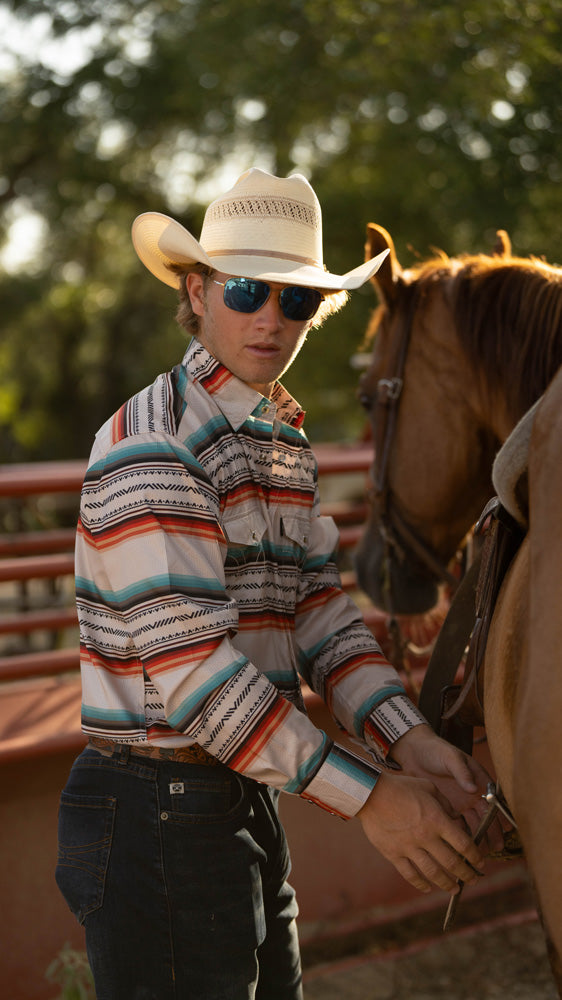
pixel 244 535
pixel 295 532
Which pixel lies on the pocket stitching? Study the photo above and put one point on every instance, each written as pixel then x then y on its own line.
pixel 68 854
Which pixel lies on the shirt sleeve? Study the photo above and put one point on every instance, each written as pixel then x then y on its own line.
pixel 153 603
pixel 340 658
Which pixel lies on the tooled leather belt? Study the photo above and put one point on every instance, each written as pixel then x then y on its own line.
pixel 193 754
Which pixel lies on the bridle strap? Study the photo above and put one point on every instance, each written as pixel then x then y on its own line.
pixel 393 526
pixel 424 553
pixel 389 390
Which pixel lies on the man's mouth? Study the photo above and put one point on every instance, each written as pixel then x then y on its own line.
pixel 264 350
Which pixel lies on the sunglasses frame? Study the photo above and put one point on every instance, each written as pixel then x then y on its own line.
pixel 265 284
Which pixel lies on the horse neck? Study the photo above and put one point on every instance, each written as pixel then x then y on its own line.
pixel 492 409
pixel 439 348
pixel 508 318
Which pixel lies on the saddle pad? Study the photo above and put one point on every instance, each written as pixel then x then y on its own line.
pixel 509 472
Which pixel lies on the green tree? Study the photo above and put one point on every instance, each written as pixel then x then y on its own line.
pixel 438 120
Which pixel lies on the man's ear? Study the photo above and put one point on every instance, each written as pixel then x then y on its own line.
pixel 195 286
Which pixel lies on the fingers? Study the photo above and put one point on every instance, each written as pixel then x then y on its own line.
pixel 452 855
pixel 445 803
pixel 419 832
pixel 410 873
pixel 462 850
pixel 464 770
pixel 479 774
pixel 423 871
pixel 469 800
pixel 457 867
pixel 494 837
pixel 444 861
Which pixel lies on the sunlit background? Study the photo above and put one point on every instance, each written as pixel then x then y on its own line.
pixel 438 120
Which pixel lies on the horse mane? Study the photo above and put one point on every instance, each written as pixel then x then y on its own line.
pixel 508 315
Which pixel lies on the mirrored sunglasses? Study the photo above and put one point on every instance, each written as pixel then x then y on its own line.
pixel 247 295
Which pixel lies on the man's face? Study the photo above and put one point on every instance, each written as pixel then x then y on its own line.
pixel 256 347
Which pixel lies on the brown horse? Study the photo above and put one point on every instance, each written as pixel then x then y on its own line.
pixel 463 348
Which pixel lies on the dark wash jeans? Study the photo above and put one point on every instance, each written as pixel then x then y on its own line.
pixel 178 873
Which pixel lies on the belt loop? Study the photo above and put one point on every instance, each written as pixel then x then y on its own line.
pixel 123 754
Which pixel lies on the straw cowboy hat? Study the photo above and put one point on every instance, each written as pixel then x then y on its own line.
pixel 265 227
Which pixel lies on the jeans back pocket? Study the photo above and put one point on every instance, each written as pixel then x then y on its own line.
pixel 84 845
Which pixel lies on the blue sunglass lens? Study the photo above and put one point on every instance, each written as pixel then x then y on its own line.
pixel 299 303
pixel 246 295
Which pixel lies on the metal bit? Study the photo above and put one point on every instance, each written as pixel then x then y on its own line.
pixel 481 831
pixel 492 796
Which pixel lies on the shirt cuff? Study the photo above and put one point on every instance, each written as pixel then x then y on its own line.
pixel 390 720
pixel 343 783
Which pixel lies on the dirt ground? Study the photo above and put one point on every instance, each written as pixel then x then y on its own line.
pixel 495 950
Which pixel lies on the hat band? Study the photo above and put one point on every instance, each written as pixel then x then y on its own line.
pixel 264 253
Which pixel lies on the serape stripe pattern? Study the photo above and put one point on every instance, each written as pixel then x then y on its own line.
pixel 206 584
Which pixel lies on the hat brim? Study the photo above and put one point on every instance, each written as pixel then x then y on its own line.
pixel 161 242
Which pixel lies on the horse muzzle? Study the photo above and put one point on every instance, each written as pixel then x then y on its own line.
pixel 394 580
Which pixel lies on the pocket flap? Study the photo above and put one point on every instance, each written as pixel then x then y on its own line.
pixel 245 529
pixel 297 529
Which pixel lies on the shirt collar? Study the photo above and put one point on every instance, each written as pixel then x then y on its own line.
pixel 237 400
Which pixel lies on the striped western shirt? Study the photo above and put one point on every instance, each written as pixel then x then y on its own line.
pixel 206 586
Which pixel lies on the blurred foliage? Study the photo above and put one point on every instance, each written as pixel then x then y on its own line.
pixel 439 120
pixel 70 970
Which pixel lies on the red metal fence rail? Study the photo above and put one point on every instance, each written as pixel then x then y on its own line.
pixel 38 624
pixel 30 556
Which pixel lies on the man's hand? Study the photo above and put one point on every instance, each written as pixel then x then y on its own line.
pixel 422 754
pixel 415 828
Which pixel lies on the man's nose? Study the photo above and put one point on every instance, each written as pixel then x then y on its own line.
pixel 270 313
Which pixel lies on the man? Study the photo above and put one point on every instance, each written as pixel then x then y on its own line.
pixel 206 585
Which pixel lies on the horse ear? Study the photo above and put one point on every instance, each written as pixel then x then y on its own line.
pixel 386 278
pixel 502 247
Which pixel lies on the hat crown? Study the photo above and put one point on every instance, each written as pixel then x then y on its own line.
pixel 240 221
pixel 265 227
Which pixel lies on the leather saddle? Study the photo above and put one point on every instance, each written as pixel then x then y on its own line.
pixel 453 709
